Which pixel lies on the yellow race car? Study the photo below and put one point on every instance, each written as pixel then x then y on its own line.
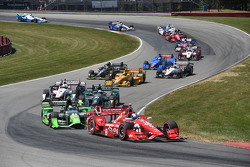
pixel 127 77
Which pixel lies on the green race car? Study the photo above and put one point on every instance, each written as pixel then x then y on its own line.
pixel 59 114
pixel 104 96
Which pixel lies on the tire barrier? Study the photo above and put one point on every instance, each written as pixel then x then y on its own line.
pixel 5 46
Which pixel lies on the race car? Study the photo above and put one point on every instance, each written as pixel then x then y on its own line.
pixel 105 96
pixel 127 125
pixel 59 114
pixel 109 69
pixel 30 18
pixel 119 26
pixel 190 53
pixel 127 77
pixel 163 29
pixel 184 43
pixel 161 61
pixel 63 90
pixel 178 70
pixel 174 36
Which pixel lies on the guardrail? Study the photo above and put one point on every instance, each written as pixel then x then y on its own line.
pixel 5 46
pixel 213 14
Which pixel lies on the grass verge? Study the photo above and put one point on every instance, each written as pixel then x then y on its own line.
pixel 45 49
pixel 215 110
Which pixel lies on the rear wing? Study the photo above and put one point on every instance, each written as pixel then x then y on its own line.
pixel 71 82
pixel 185 63
pixel 139 70
pixel 167 56
pixel 103 88
pixel 46 104
pixel 118 65
pixel 58 103
pixel 106 111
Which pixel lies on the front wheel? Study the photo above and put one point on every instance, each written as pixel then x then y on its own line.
pixel 168 126
pixel 20 19
pixel 91 73
pixel 122 132
pixel 131 81
pixel 91 126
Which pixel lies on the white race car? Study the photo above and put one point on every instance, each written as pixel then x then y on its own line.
pixel 178 70
pixel 63 90
pixel 163 29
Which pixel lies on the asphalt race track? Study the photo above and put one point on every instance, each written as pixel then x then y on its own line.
pixel 26 142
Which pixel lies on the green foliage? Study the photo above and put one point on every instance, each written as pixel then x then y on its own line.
pixel 45 49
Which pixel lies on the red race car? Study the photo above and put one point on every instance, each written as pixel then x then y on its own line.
pixel 174 37
pixel 127 125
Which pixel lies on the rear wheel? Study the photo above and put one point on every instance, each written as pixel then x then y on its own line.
pixel 159 73
pixel 112 101
pixel 46 92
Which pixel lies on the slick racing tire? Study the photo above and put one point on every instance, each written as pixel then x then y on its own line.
pixel 20 19
pixel 131 81
pixel 112 101
pixel 81 97
pixel 159 73
pixel 168 125
pixel 91 126
pixel 46 92
pixel 91 73
pixel 122 131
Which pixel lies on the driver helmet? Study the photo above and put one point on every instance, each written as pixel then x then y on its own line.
pixel 134 116
pixel 99 91
pixel 70 107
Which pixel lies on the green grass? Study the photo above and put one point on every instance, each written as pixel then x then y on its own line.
pixel 216 110
pixel 45 49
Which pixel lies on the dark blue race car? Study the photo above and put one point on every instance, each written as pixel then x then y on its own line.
pixel 119 26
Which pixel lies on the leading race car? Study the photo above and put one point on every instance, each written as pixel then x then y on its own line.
pixel 119 26
pixel 127 125
pixel 59 114
pixel 30 18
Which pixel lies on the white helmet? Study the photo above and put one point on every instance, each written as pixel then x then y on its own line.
pixel 134 116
